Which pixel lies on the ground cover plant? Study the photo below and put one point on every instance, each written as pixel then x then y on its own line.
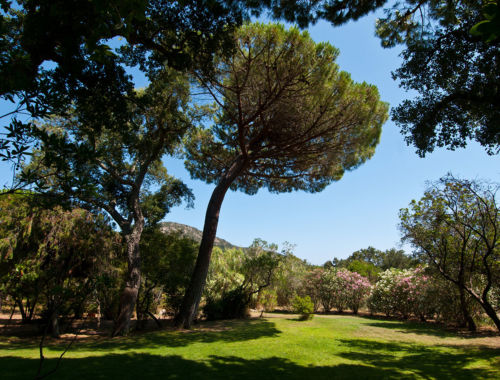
pixel 279 346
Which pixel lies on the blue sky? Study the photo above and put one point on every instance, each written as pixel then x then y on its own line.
pixel 362 208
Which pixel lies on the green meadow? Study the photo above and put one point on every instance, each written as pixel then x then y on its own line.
pixel 276 347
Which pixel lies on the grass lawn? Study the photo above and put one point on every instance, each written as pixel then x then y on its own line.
pixel 278 347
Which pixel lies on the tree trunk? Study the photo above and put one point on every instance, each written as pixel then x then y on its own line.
pixel 128 298
pixel 471 325
pixel 98 314
pixel 490 311
pixel 21 310
pixel 191 300
pixel 158 323
pixel 31 309
pixel 54 325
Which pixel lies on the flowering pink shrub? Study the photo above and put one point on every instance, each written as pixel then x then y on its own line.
pixel 352 288
pixel 403 293
pixel 336 288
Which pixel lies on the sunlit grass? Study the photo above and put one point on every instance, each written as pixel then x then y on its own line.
pixel 327 347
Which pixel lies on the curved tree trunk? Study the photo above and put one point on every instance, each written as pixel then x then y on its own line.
pixel 128 298
pixel 483 300
pixel 471 325
pixel 191 300
pixel 490 311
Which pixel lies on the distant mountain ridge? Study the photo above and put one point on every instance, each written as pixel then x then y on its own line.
pixel 192 233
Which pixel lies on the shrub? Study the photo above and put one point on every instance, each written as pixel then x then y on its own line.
pixel 404 293
pixel 337 288
pixel 268 300
pixel 290 278
pixel 312 287
pixel 385 296
pixel 328 289
pixel 303 306
pixel 353 287
pixel 233 304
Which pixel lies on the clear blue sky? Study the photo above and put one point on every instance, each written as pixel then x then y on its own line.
pixel 362 208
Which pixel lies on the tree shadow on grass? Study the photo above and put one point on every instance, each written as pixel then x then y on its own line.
pixel 443 362
pixel 424 328
pixel 146 366
pixel 224 331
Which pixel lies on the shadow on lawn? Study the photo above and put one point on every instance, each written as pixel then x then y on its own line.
pixel 443 362
pixel 424 328
pixel 223 331
pixel 420 363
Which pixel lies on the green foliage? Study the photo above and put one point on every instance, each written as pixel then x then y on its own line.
pixel 312 286
pixel 286 120
pixel 268 300
pixel 71 35
pixel 396 258
pixel 365 269
pixel 369 262
pixel 74 35
pixel 445 301
pixel 328 289
pixel 455 74
pixel 334 123
pixel 224 273
pixel 390 258
pixel 51 256
pixel 236 278
pixel 108 286
pixel 337 12
pixel 232 304
pixel 259 266
pixel 454 227
pixel 303 306
pixel 167 262
pixel 489 28
pixel 289 277
pixel 111 163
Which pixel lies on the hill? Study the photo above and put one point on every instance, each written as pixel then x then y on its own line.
pixel 192 233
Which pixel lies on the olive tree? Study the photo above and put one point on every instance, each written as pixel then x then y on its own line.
pixel 287 119
pixel 455 227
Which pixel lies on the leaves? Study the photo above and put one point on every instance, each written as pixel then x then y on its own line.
pixel 454 227
pixel 110 162
pixel 456 75
pixel 48 253
pixel 286 112
pixel 488 29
